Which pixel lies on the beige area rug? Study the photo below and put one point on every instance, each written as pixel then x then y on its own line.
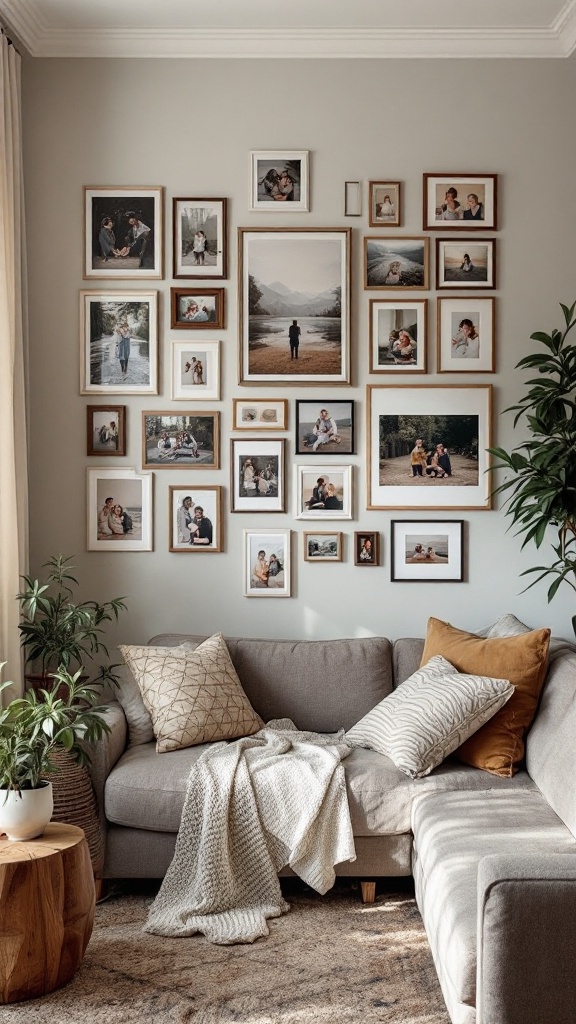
pixel 330 960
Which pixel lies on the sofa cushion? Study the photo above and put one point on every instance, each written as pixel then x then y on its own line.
pixel 146 789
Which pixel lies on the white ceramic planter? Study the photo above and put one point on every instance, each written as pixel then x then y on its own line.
pixel 25 815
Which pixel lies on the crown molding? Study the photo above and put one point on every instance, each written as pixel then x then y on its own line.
pixel 564 26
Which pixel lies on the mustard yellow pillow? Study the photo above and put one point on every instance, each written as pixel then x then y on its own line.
pixel 497 747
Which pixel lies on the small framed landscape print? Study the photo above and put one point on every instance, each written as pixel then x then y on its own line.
pixel 322 547
pixel 366 548
pixel 195 517
pixel 106 430
pixel 427 552
pixel 267 563
pixel 123 232
pixel 460 201
pixel 465 264
pixel 465 335
pixel 118 343
pixel 195 371
pixel 119 510
pixel 398 335
pixel 280 181
pixel 396 262
pixel 257 475
pixel 260 414
pixel 384 204
pixel 324 492
pixel 324 428
pixel 184 441
pixel 200 238
pixel 193 308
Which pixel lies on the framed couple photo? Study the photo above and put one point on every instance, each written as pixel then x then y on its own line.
pixel 195 516
pixel 460 201
pixel 123 232
pixel 267 563
pixel 119 507
pixel 279 181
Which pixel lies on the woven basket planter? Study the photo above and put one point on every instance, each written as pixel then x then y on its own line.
pixel 75 803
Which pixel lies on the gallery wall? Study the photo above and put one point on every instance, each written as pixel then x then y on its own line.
pixel 189 126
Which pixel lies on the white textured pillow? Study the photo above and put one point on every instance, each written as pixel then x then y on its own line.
pixel 506 625
pixel 429 715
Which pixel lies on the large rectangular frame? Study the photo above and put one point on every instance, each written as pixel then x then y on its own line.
pixel 100 244
pixel 107 349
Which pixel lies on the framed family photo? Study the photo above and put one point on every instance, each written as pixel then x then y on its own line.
pixel 106 430
pixel 279 181
pixel 294 289
pixel 465 335
pixel 119 510
pixel 322 547
pixel 427 446
pixel 118 343
pixel 384 204
pixel 200 238
pixel 459 201
pixel 195 371
pixel 398 335
pixel 325 428
pixel 258 475
pixel 259 413
pixel 366 548
pixel 324 492
pixel 396 262
pixel 195 517
pixel 180 441
pixel 123 232
pixel 427 551
pixel 267 563
pixel 465 264
pixel 197 308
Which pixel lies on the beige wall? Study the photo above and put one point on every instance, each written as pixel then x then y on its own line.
pixel 189 126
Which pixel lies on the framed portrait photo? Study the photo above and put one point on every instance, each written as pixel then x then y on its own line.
pixel 180 441
pixel 260 413
pixel 106 430
pixel 195 371
pixel 267 563
pixel 427 446
pixel 398 335
pixel 197 308
pixel 396 262
pixel 118 343
pixel 322 547
pixel 460 201
pixel 323 492
pixel 123 232
pixel 465 264
pixel 384 204
pixel 465 335
pixel 195 517
pixel 279 181
pixel 119 510
pixel 294 286
pixel 366 548
pixel 200 238
pixel 258 475
pixel 427 551
pixel 324 428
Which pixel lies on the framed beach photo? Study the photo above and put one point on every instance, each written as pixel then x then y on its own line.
pixel 257 475
pixel 279 181
pixel 197 308
pixel 200 238
pixel 195 371
pixel 180 441
pixel 119 510
pixel 118 343
pixel 396 262
pixel 259 413
pixel 324 428
pixel 460 201
pixel 427 446
pixel 106 430
pixel 195 518
pixel 323 492
pixel 366 548
pixel 322 547
pixel 465 264
pixel 465 335
pixel 384 204
pixel 427 551
pixel 123 232
pixel 267 563
pixel 294 286
pixel 398 335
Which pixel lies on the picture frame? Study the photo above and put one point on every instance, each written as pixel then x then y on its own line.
pixel 185 440
pixel 257 475
pixel 198 222
pixel 118 343
pixel 322 546
pixel 119 510
pixel 366 547
pixel 460 202
pixel 324 428
pixel 275 547
pixel 427 551
pixel 279 181
pixel 398 336
pixel 330 499
pixel 123 232
pixel 260 414
pixel 384 199
pixel 296 272
pixel 396 262
pixel 188 531
pixel 193 309
pixel 465 263
pixel 352 198
pixel 106 430
pixel 456 417
pixel 465 335
pixel 190 382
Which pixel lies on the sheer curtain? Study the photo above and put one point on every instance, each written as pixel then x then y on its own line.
pixel 13 425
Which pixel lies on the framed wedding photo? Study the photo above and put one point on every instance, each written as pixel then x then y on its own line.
pixel 279 181
pixel 267 563
pixel 259 413
pixel 322 547
pixel 258 475
pixel 180 441
pixel 323 492
pixel 119 510
pixel 197 308
pixel 123 232
pixel 427 552
pixel 366 548
pixel 465 335
pixel 460 201
pixel 396 262
pixel 195 517
pixel 398 331
pixel 324 428
pixel 200 238
pixel 195 371
pixel 465 264
pixel 384 204
pixel 106 430
pixel 118 343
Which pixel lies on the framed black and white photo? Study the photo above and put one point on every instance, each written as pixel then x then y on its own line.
pixel 325 428
pixel 322 546
pixel 119 510
pixel 366 548
pixel 465 264
pixel 197 308
pixel 398 335
pixel 279 181
pixel 180 440
pixel 200 238
pixel 259 413
pixel 465 335
pixel 384 204
pixel 429 551
pixel 106 430
pixel 459 201
pixel 267 563
pixel 258 475
pixel 323 492
pixel 118 343
pixel 195 371
pixel 195 518
pixel 396 262
pixel 123 232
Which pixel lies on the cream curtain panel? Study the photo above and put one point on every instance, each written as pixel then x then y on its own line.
pixel 13 426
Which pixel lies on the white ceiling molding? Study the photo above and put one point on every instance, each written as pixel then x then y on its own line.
pixel 564 26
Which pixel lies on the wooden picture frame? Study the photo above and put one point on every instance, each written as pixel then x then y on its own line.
pixel 200 238
pixel 384 204
pixel 123 232
pixel 366 547
pixel 118 343
pixel 182 440
pixel 398 339
pixel 466 202
pixel 189 532
pixel 322 546
pixel 193 309
pixel 264 549
pixel 258 475
pixel 466 263
pixel 398 262
pixel 429 551
pixel 106 430
pixel 465 335
pixel 279 181
pixel 259 414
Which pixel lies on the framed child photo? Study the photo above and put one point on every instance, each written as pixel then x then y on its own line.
pixel 397 339
pixel 195 517
pixel 396 262
pixel 465 335
pixel 324 492
pixel 279 181
pixel 427 551
pixel 259 413
pixel 267 563
pixel 180 440
pixel 118 343
pixel 366 548
pixel 106 430
pixel 258 475
pixel 465 264
pixel 197 308
pixel 325 428
pixel 322 547
pixel 123 232
pixel 384 204
pixel 200 238
pixel 119 510
pixel 195 371
pixel 460 201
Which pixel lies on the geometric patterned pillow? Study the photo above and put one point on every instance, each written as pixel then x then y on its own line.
pixel 193 696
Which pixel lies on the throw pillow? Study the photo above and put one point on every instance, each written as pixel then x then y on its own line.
pixel 506 625
pixel 499 746
pixel 429 715
pixel 127 693
pixel 192 696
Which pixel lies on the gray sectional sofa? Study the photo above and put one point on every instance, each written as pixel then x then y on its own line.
pixel 494 859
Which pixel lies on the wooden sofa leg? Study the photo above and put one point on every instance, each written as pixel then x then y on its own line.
pixel 368 892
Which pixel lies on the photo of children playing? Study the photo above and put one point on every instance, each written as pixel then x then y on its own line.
pixel 437 451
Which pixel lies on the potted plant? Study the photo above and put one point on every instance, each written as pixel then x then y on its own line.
pixel 542 487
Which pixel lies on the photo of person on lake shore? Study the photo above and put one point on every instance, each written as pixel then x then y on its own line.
pixel 119 348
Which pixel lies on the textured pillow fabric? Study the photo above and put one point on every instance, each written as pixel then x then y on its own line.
pixel 192 696
pixel 506 625
pixel 429 715
pixel 499 746
pixel 127 693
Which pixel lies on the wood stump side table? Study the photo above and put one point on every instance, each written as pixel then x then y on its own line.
pixel 46 911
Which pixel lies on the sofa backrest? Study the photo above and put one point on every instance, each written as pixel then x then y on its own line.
pixel 406 657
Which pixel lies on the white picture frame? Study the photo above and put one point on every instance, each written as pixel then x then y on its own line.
pixel 109 489
pixel 466 334
pixel 188 384
pixel 279 181
pixel 103 315
pixel 336 486
pixel 275 544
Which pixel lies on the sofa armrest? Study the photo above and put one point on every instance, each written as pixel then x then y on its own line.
pixel 106 752
pixel 526 966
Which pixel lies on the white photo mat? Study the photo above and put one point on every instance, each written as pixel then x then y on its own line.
pixel 275 544
pixel 131 490
pixel 207 385
pixel 427 551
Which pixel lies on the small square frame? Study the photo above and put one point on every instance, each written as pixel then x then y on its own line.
pixel 306 479
pixel 384 213
pixel 104 416
pixel 322 546
pixel 206 309
pixel 268 193
pixel 210 499
pixel 272 542
pixel 438 557
pixel 362 554
pixel 308 431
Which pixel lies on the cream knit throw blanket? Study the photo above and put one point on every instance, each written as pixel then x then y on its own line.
pixel 251 807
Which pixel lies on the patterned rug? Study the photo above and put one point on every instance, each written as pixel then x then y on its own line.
pixel 331 960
